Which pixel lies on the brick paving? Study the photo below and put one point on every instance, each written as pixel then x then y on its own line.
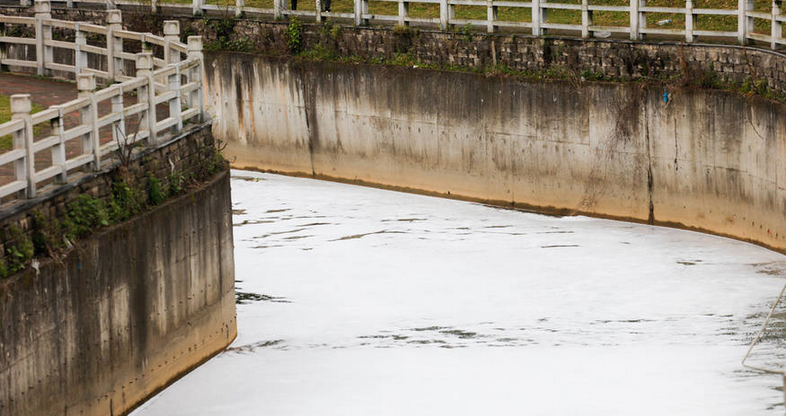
pixel 46 93
pixel 42 92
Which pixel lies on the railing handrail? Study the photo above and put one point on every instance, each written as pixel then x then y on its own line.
pixel 175 79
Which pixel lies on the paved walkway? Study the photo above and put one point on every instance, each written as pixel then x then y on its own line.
pixel 43 92
pixel 46 93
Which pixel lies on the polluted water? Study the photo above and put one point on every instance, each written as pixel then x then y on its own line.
pixel 361 301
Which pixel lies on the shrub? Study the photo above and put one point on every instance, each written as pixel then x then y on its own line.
pixel 20 252
pixel 176 181
pixel 125 202
pixel 83 216
pixel 294 35
pixel 154 191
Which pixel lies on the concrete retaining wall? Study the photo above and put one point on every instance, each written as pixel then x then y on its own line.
pixel 129 309
pixel 709 160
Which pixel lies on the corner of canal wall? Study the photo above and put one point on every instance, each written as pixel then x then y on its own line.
pixel 130 308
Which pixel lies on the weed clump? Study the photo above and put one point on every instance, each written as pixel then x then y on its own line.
pixel 225 37
pixel 83 216
pixel 331 29
pixel 319 52
pixel 404 31
pixel 154 191
pixel 125 202
pixel 19 252
pixel 176 184
pixel 294 36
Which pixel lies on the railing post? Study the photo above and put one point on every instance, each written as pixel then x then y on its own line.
pixel 361 8
pixel 239 5
pixel 147 93
pixel 25 3
pixel 642 19
pixel 24 168
pixel 633 10
pixel 119 126
pixel 171 34
pixel 491 16
pixel 59 150
pixel 114 45
pixel 154 6
pixel 146 46
pixel 749 21
pixel 586 19
pixel 536 18
pixel 173 82
pixel 444 21
pixel 43 53
pixel 278 6
pixel 196 6
pixel 403 13
pixel 689 21
pixel 776 31
pixel 445 14
pixel 3 49
pixel 80 57
pixel 197 74
pixel 86 85
pixel 318 11
pixel 743 22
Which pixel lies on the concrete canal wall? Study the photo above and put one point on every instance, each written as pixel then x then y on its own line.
pixel 709 160
pixel 130 308
pixel 704 159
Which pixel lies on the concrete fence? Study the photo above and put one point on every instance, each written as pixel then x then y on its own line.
pixel 174 80
pixel 539 24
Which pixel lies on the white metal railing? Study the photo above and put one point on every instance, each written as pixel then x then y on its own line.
pixel 582 25
pixel 173 80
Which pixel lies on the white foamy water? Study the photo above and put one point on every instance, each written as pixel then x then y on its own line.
pixel 367 302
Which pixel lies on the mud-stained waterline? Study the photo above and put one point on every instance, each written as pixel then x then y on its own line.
pixel 359 301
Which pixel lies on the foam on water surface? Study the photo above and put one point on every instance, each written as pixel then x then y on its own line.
pixel 359 301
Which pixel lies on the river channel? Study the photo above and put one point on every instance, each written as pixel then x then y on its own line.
pixel 359 301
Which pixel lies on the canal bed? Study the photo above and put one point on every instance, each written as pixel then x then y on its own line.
pixel 359 301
